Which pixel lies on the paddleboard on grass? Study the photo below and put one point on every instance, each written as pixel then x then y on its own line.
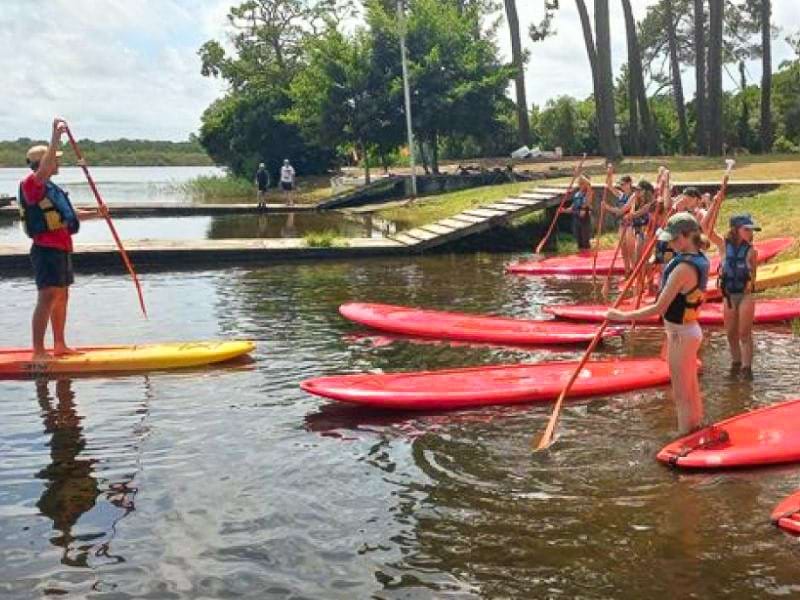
pixel 484 386
pixel 147 357
pixel 787 514
pixel 767 311
pixel 769 276
pixel 580 265
pixel 766 436
pixel 470 328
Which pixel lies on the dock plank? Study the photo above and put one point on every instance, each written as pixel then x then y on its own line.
pixel 438 229
pixel 485 213
pixel 453 223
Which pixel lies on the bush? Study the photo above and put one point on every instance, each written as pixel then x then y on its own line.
pixel 323 239
pixel 785 146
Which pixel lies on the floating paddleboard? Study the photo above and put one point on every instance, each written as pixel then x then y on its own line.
pixel 580 265
pixel 470 328
pixel 149 357
pixel 765 436
pixel 787 514
pixel 484 386
pixel 767 311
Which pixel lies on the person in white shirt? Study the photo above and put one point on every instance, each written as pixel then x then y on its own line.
pixel 287 180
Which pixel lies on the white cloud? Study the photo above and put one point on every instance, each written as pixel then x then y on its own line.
pixel 129 68
pixel 113 69
pixel 559 65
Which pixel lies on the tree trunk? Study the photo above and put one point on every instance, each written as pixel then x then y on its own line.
pixel 365 158
pixel 591 52
pixel 523 124
pixel 715 136
pixel 605 80
pixel 675 69
pixel 766 77
pixel 743 132
pixel 637 81
pixel 701 132
pixel 435 153
pixel 634 136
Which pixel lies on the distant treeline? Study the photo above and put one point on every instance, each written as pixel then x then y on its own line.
pixel 116 153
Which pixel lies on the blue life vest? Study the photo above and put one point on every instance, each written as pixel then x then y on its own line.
pixel 684 307
pixel 51 213
pixel 664 253
pixel 735 272
pixel 622 200
pixel 579 208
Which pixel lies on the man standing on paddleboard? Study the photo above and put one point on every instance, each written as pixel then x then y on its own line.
pixel 50 220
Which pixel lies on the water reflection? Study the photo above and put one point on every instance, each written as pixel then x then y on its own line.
pixel 85 506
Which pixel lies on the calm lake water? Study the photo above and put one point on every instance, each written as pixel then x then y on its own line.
pixel 118 185
pixel 126 185
pixel 232 483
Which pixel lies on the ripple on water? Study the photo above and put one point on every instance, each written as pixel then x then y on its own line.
pixel 231 482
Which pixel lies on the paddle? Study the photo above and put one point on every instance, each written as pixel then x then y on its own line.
pixel 658 216
pixel 561 205
pixel 547 437
pixel 723 191
pixel 609 179
pixel 101 204
pixel 607 284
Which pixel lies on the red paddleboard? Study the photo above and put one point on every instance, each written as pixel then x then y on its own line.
pixel 787 514
pixel 580 265
pixel 484 386
pixel 767 311
pixel 765 436
pixel 470 328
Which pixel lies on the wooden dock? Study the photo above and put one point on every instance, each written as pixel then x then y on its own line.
pixel 189 254
pixel 193 254
pixel 126 211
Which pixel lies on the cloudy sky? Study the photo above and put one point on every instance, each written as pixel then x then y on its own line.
pixel 130 68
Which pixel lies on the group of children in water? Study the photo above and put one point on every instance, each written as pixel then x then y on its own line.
pixel 684 227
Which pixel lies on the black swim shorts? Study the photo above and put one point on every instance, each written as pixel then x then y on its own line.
pixel 51 267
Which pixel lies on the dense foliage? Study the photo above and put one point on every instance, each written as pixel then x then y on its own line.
pixel 320 82
pixel 118 153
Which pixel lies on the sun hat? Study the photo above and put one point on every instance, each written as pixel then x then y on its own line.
pixel 36 153
pixel 679 223
pixel 744 220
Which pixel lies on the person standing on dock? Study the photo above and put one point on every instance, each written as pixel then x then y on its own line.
pixel 49 218
pixel 581 211
pixel 288 181
pixel 262 183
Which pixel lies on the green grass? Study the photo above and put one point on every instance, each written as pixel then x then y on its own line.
pixel 432 208
pixel 229 188
pixel 324 239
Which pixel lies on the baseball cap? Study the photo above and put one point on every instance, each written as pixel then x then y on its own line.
pixel 36 153
pixel 744 220
pixel 692 192
pixel 679 223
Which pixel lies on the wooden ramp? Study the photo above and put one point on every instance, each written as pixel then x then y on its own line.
pixel 477 220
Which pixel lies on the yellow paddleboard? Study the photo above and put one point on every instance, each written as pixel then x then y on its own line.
pixel 146 357
pixel 777 274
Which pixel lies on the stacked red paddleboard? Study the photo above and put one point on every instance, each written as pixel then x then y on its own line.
pixel 580 265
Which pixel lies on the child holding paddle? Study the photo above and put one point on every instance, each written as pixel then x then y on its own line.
pixel 683 286
pixel 738 260
pixel 581 211
pixel 623 192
